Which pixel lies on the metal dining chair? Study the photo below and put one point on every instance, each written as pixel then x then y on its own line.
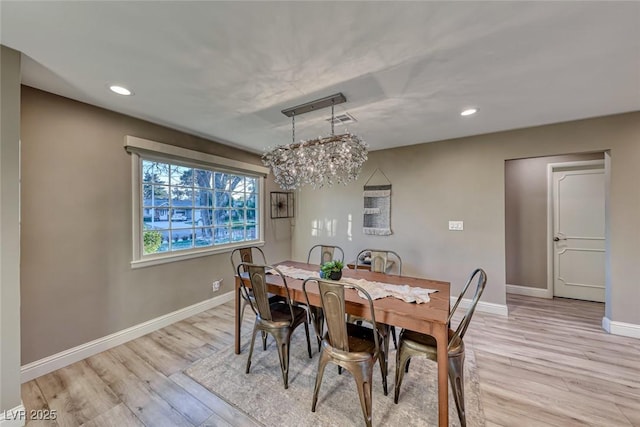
pixel 327 253
pixel 246 255
pixel 382 261
pixel 417 344
pixel 352 347
pixel 277 319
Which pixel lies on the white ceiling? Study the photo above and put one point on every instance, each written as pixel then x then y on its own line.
pixel 225 70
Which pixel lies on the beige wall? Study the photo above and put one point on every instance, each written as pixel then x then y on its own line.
pixel 77 283
pixel 526 217
pixel 9 228
pixel 463 179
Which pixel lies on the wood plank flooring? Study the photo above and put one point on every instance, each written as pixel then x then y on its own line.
pixel 548 364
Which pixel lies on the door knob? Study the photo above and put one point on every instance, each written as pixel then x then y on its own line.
pixel 556 239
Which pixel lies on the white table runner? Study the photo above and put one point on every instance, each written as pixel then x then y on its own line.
pixel 377 290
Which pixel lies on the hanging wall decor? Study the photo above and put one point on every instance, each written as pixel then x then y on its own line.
pixel 281 204
pixel 377 207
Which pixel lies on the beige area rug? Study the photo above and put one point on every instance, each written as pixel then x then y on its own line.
pixel 261 393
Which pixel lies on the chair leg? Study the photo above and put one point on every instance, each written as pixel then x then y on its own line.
pixel 244 305
pixel 384 356
pixel 322 363
pixel 253 340
pixel 282 342
pixel 364 385
pixel 402 362
pixel 383 371
pixel 306 330
pixel 456 377
pixel 393 335
pixel 317 317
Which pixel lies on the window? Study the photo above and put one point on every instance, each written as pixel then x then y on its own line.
pixel 184 209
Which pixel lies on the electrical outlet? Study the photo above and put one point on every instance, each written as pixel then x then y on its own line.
pixel 456 225
pixel 216 285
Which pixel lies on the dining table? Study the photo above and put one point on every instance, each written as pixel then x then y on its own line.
pixel 428 318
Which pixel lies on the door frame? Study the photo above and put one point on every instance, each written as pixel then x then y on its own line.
pixel 552 167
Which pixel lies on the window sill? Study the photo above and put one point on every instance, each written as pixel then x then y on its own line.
pixel 173 257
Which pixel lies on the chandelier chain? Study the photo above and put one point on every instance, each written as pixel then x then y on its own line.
pixel 332 118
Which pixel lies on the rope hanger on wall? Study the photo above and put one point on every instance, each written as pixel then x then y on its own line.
pixel 374 173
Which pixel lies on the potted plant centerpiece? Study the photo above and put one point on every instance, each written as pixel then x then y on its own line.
pixel 332 270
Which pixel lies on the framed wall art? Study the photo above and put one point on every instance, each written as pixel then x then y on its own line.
pixel 281 205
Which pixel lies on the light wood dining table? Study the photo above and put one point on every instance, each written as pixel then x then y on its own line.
pixel 429 318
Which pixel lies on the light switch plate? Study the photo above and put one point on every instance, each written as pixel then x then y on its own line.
pixel 456 225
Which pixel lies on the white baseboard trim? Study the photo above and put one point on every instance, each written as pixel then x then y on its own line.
pixel 529 291
pixel 620 328
pixel 485 307
pixel 16 417
pixel 67 357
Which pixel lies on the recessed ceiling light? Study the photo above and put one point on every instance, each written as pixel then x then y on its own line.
pixel 468 112
pixel 120 90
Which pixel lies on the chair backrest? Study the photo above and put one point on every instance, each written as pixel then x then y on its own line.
pixel 327 253
pixel 379 260
pixel 466 319
pixel 247 254
pixel 332 298
pixel 259 288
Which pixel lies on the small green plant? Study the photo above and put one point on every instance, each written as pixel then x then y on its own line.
pixel 330 267
pixel 152 241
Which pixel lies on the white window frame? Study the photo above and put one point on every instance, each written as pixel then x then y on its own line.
pixel 140 148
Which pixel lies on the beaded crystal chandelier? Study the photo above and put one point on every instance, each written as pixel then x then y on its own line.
pixel 320 161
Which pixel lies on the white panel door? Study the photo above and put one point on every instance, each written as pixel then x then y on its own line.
pixel 579 260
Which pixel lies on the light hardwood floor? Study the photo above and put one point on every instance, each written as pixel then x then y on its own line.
pixel 548 364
